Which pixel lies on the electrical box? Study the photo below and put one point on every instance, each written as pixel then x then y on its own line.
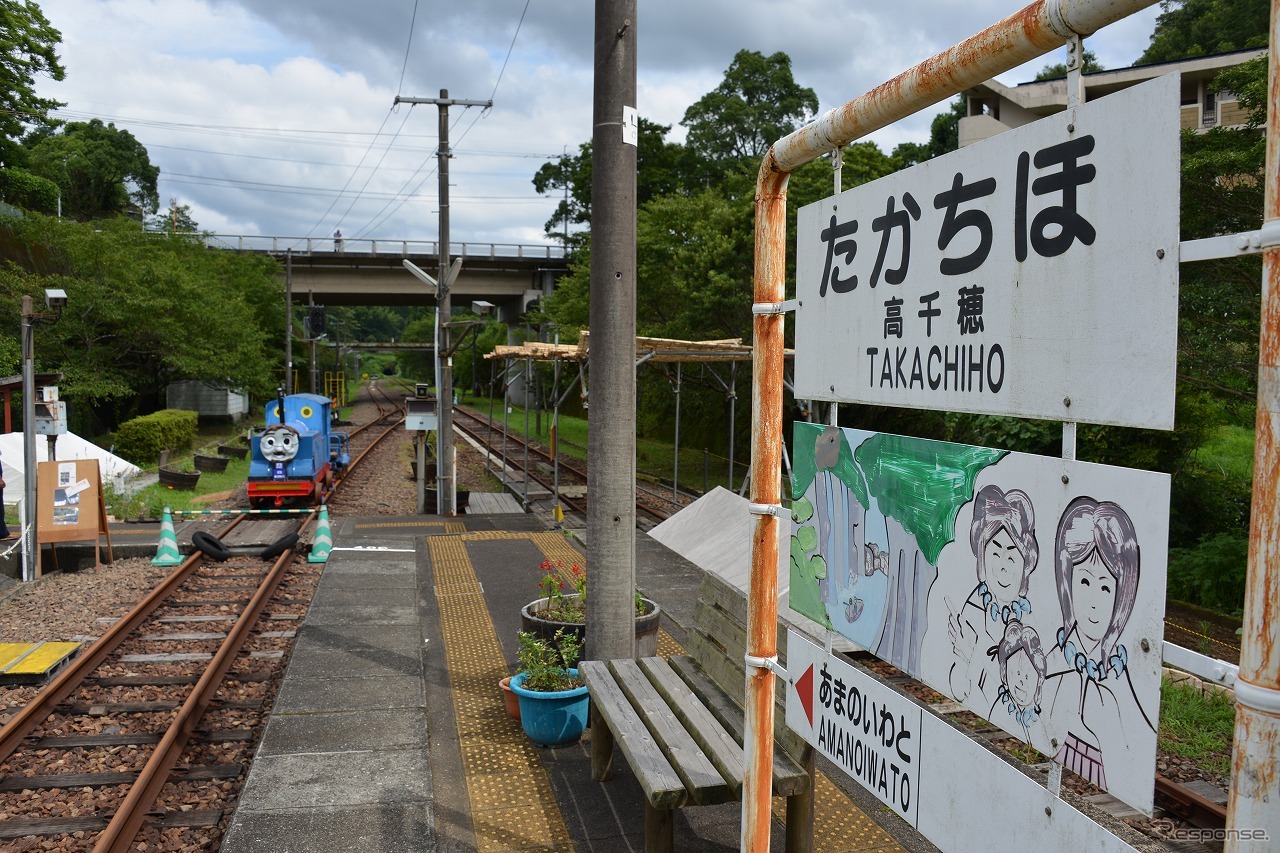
pixel 421 414
pixel 51 418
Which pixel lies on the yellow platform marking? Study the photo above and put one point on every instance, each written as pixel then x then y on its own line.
pixel 33 658
pixel 513 805
pixel 838 824
pixel 446 526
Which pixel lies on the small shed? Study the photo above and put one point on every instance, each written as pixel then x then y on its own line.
pixel 207 400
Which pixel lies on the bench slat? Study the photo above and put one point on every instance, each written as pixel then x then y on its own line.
pixel 705 784
pixel 788 777
pixel 661 784
pixel 718 745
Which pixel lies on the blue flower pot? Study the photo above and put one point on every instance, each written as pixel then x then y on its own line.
pixel 555 718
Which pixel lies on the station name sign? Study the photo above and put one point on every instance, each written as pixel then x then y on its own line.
pixel 1033 274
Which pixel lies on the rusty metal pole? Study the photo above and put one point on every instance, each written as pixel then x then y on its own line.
pixel 1253 815
pixel 1021 37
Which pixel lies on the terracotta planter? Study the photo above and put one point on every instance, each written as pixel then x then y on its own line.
pixel 509 696
pixel 545 629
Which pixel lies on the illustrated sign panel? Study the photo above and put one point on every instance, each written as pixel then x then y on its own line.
pixel 937 778
pixel 1029 589
pixel 1031 274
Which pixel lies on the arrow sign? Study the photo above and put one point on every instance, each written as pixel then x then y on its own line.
pixel 804 689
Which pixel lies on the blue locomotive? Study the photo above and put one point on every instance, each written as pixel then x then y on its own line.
pixel 298 455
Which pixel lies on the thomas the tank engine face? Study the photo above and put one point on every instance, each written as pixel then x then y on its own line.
pixel 279 443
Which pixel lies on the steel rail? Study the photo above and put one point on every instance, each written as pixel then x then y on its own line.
pixel 62 686
pixel 1185 804
pixel 1021 37
pixel 119 835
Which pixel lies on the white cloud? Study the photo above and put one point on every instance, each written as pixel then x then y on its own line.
pixel 276 116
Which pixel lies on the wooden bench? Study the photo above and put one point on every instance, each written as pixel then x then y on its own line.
pixel 679 723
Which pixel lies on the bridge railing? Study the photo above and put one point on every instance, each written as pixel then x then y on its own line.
pixel 403 248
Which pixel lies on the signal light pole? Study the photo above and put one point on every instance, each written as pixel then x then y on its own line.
pixel 445 486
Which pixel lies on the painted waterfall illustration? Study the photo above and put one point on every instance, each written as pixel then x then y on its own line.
pixel 1030 589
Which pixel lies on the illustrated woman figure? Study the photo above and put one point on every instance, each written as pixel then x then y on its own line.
pixel 1022 672
pixel 1002 537
pixel 1096 567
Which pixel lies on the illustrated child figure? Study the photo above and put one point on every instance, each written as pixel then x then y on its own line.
pixel 1002 537
pixel 1022 673
pixel 1096 568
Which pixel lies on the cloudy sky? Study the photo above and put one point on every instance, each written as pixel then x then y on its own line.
pixel 277 117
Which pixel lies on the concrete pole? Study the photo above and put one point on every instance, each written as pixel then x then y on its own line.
pixel 288 321
pixel 446 499
pixel 611 439
pixel 30 550
pixel 1251 806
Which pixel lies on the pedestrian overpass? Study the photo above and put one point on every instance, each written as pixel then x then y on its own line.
pixel 371 271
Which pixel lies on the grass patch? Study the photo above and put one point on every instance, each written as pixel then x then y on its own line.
pixel 150 501
pixel 1197 725
pixel 1229 451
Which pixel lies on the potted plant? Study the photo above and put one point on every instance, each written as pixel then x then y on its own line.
pixel 558 610
pixel 553 697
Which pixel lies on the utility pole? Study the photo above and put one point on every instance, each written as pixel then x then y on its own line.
pixel 611 439
pixel 445 495
pixel 288 321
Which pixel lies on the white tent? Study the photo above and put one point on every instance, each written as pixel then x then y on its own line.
pixel 69 446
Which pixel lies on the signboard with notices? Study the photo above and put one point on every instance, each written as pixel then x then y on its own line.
pixel 70 506
pixel 1034 274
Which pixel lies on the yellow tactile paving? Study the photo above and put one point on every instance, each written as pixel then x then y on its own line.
pixel 445 526
pixel 513 806
pixel 839 826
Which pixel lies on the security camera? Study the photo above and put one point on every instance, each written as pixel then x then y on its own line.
pixel 55 298
pixel 481 307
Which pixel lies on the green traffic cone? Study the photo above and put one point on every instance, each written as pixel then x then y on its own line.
pixel 322 542
pixel 167 553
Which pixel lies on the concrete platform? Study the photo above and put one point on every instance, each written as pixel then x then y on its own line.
pixel 390 732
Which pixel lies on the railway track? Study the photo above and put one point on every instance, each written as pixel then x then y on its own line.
pixel 96 750
pixel 507 449
pixel 143 740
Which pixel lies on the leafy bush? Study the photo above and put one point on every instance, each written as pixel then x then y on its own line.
pixel 31 192
pixel 1212 573
pixel 141 439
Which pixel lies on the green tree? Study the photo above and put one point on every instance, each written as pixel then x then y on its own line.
pixel 176 220
pixel 103 171
pixel 757 103
pixel 659 170
pixel 944 136
pixel 1187 28
pixel 141 312
pixel 28 49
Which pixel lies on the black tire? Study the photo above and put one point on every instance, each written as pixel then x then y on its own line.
pixel 209 545
pixel 278 547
